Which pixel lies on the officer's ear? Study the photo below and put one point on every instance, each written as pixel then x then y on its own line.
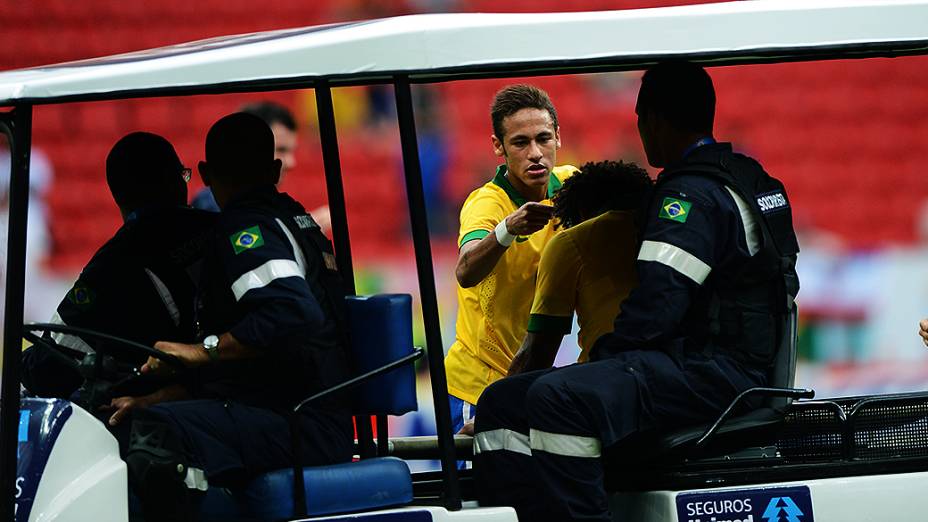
pixel 203 169
pixel 275 171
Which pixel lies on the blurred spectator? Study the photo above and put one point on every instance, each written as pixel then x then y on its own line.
pixel 38 241
pixel 381 108
pixel 433 158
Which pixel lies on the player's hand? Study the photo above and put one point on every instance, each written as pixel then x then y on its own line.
pixel 192 355
pixel 529 218
pixel 923 330
pixel 468 428
pixel 519 362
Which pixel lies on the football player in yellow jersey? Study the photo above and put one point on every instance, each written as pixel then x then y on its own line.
pixel 590 267
pixel 505 224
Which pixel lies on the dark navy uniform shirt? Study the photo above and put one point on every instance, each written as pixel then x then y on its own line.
pixel 266 291
pixel 696 230
pixel 140 285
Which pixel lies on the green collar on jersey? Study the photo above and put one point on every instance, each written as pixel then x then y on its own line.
pixel 502 181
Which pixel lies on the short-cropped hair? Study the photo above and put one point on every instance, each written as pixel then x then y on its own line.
pixel 143 169
pixel 682 92
pixel 238 146
pixel 513 99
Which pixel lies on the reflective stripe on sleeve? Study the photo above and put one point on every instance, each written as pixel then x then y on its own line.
pixel 676 258
pixel 68 340
pixel 166 297
pixel 751 230
pixel 501 439
pixel 264 274
pixel 297 251
pixel 565 445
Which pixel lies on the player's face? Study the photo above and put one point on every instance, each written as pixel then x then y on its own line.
pixel 529 147
pixel 285 142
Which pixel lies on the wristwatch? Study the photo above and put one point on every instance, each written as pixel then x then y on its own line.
pixel 211 346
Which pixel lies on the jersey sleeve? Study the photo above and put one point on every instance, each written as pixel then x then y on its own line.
pixel 685 235
pixel 556 287
pixel 266 270
pixel 481 212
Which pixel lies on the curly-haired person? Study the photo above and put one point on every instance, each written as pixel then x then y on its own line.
pixel 590 267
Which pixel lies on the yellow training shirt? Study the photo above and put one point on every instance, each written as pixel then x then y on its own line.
pixel 493 315
pixel 589 268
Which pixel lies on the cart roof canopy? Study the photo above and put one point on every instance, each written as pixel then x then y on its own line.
pixel 439 47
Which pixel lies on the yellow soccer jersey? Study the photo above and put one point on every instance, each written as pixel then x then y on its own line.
pixel 493 315
pixel 589 268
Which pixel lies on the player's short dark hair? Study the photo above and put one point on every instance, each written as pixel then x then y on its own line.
pixel 239 146
pixel 271 113
pixel 682 92
pixel 143 169
pixel 600 187
pixel 513 99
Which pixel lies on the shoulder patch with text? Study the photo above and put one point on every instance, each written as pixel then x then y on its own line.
pixel 305 221
pixel 248 239
pixel 675 210
pixel 770 202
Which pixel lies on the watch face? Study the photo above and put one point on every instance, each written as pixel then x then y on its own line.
pixel 211 342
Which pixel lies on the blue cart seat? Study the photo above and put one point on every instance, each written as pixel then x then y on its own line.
pixel 340 488
pixel 381 332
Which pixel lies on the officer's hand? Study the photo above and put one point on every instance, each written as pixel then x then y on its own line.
pixel 124 406
pixel 923 330
pixel 192 355
pixel 530 217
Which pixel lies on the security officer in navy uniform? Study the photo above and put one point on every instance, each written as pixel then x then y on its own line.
pixel 272 316
pixel 717 282
pixel 140 285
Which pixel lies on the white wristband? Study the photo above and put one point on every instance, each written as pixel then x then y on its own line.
pixel 503 237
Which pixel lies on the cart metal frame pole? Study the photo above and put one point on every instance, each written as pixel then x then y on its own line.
pixel 328 137
pixel 424 268
pixel 17 125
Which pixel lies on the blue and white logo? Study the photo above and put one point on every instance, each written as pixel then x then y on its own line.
pixel 782 509
pixel 784 504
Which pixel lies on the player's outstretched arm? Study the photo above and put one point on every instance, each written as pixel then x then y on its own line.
pixel 478 258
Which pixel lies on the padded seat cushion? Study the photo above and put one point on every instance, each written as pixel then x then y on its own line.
pixel 382 333
pixel 685 438
pixel 340 488
pixel 354 486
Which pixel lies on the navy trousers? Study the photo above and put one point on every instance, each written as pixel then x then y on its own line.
pixel 540 436
pixel 232 442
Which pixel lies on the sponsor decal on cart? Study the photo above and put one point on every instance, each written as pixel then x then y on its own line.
pixel 791 504
pixel 40 423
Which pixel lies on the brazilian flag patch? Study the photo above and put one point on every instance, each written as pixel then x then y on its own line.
pixel 675 210
pixel 248 239
pixel 80 296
